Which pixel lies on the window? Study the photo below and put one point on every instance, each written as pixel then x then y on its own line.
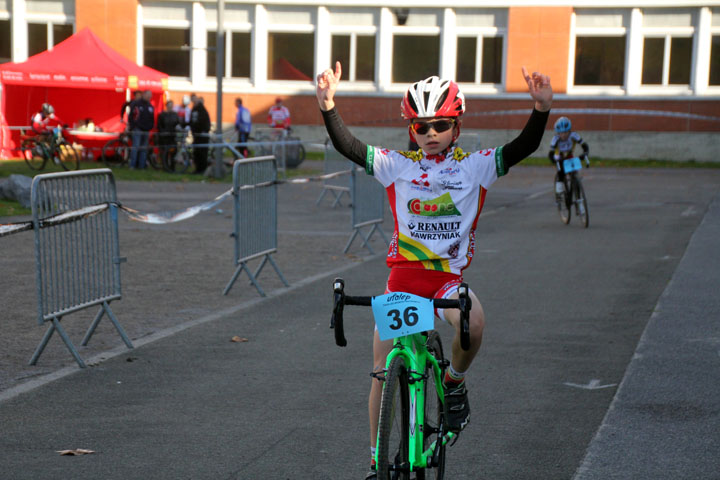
pixel 600 47
pixel 5 39
pixel 599 60
pixel 241 50
pixel 290 56
pixel 356 53
pixel 239 45
pixel 167 50
pixel 667 46
pixel 42 36
pixel 667 61
pixel 415 57
pixel 715 61
pixel 480 45
pixel 485 67
pixel 37 38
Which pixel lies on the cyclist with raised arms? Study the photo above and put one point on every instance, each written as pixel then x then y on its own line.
pixel 562 146
pixel 436 194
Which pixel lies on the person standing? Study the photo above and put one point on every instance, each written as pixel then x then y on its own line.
pixel 200 127
pixel 279 115
pixel 243 125
pixel 141 121
pixel 168 125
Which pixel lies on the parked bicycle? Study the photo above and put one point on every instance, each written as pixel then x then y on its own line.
pixel 116 152
pixel 412 436
pixel 572 195
pixel 37 150
pixel 288 150
pixel 178 156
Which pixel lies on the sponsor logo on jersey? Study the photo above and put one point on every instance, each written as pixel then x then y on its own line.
pixel 436 207
pixel 448 185
pixel 434 230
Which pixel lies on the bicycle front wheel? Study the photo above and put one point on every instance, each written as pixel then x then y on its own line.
pixel 394 425
pixel 433 413
pixel 34 154
pixel 115 153
pixel 581 206
pixel 177 160
pixel 68 156
pixel 563 201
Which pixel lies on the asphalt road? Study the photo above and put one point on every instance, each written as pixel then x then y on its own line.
pixel 565 307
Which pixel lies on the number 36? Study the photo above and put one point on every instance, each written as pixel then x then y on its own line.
pixel 409 317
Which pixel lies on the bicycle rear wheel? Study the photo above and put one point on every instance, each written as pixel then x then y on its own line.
pixel 68 156
pixel 563 201
pixel 34 153
pixel 581 206
pixel 394 425
pixel 115 153
pixel 433 413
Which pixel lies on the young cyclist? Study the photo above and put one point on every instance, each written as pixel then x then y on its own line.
pixel 562 146
pixel 436 194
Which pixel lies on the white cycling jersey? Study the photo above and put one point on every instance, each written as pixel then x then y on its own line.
pixel 565 147
pixel 435 202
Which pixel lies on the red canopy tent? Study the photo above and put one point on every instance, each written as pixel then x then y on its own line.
pixel 82 77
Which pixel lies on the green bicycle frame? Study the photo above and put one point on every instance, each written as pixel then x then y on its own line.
pixel 416 356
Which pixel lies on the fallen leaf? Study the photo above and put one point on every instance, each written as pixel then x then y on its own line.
pixel 77 451
pixel 238 339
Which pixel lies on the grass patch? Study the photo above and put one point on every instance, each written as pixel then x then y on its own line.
pixel 19 167
pixel 11 208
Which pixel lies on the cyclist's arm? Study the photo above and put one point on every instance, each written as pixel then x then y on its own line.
pixel 344 141
pixel 528 141
pixel 586 148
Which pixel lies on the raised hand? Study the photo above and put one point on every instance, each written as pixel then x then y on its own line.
pixel 540 89
pixel 327 83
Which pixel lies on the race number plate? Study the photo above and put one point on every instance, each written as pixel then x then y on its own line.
pixel 398 314
pixel 572 164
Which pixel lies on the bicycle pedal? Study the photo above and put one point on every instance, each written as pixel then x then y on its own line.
pixel 380 376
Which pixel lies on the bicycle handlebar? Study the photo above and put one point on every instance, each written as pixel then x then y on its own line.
pixel 463 303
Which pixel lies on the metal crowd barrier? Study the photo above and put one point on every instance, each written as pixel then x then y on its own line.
pixel 337 186
pixel 254 217
pixel 77 259
pixel 368 207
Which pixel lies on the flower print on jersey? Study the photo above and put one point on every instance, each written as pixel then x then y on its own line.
pixel 393 247
pixel 414 156
pixel 422 181
pixel 454 249
pixel 459 155
pixel 437 158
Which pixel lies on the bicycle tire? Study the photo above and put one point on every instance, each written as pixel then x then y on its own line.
pixel 154 159
pixel 67 155
pixel 562 202
pixel 393 448
pixel 581 206
pixel 35 154
pixel 177 160
pixel 115 153
pixel 434 411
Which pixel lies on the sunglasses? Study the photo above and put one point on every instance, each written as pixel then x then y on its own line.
pixel 421 128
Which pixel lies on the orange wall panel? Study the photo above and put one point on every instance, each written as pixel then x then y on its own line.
pixel 114 21
pixel 539 39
